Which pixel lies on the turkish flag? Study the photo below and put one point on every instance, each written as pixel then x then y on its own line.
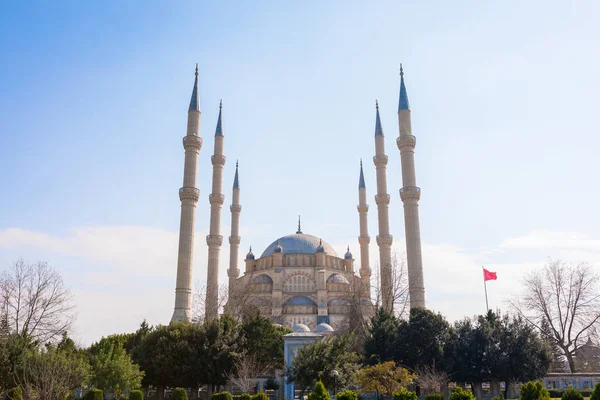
pixel 489 275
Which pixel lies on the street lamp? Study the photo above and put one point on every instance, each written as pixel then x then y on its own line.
pixel 334 375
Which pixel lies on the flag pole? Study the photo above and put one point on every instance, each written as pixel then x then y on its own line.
pixel 487 307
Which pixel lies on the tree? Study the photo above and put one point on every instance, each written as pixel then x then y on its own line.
pixel 399 284
pixel 52 373
pixel 263 341
pixel 432 379
pixel 246 369
pixel 564 298
pixel 113 370
pixel 385 378
pixel 35 301
pixel 420 341
pixel 198 307
pixel 379 344
pixel 329 360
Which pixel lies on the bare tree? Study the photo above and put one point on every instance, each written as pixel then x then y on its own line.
pixel 432 379
pixel 400 294
pixel 563 302
pixel 246 370
pixel 199 300
pixel 35 301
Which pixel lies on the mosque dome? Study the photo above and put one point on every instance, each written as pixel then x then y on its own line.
pixel 250 255
pixel 348 255
pixel 301 328
pixel 323 327
pixel 299 243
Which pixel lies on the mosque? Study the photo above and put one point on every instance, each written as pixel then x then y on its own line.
pixel 299 280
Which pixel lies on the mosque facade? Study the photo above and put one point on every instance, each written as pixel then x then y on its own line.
pixel 299 279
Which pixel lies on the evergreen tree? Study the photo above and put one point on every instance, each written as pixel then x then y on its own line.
pixel 379 345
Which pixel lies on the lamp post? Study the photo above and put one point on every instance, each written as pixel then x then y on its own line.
pixel 334 375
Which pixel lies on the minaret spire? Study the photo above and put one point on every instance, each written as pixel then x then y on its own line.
pixel 234 239
pixel 214 238
pixel 384 239
pixel 364 239
pixel 299 231
pixel 189 195
pixel 410 195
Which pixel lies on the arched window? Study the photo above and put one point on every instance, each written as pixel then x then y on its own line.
pixel 299 283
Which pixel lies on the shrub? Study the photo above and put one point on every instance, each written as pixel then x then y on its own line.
pixel 245 396
pixel 15 394
pixel 533 391
pixel 347 395
pixel 136 395
pixel 319 393
pixel 179 394
pixel 404 394
pixel 258 396
pixel 499 396
pixel 434 396
pixel 596 393
pixel 461 394
pixel 571 394
pixel 94 394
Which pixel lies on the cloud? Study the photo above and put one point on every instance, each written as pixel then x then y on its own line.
pixel 552 240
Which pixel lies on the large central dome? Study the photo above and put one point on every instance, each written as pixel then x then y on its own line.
pixel 299 243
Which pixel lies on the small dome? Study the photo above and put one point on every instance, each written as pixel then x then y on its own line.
pixel 338 302
pixel 323 327
pixel 301 328
pixel 250 255
pixel 278 248
pixel 320 248
pixel 337 278
pixel 348 255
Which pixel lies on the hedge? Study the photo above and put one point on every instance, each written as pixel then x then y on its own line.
pixel 179 394
pixel 136 395
pixel 94 394
pixel 222 396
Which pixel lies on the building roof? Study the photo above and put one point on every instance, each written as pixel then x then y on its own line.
pixel 323 327
pixel 403 101
pixel 195 100
pixel 337 278
pixel 299 243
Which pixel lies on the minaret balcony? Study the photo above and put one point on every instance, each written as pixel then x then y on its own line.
pixel 216 198
pixel 364 239
pixel 382 198
pixel 410 192
pixel 214 240
pixel 235 208
pixel 235 239
pixel 406 141
pixel 362 208
pixel 189 193
pixel 193 142
pixel 381 159
pixel 218 159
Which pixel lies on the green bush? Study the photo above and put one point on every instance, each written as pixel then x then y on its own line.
pixel 347 395
pixel 15 394
pixel 571 394
pixel 461 394
pixel 404 394
pixel 499 396
pixel 319 393
pixel 557 393
pixel 434 396
pixel 595 393
pixel 533 391
pixel 246 396
pixel 258 396
pixel 136 395
pixel 94 394
pixel 179 394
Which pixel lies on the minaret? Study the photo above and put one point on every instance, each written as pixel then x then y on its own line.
pixel 188 195
pixel 364 239
pixel 214 238
pixel 384 239
pixel 234 239
pixel 410 195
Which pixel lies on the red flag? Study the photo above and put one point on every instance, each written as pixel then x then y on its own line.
pixel 489 275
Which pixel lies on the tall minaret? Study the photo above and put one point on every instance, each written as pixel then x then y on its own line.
pixel 188 195
pixel 384 239
pixel 214 239
pixel 364 239
pixel 234 239
pixel 410 195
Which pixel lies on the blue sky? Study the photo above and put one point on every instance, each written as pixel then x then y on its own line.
pixel 93 108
